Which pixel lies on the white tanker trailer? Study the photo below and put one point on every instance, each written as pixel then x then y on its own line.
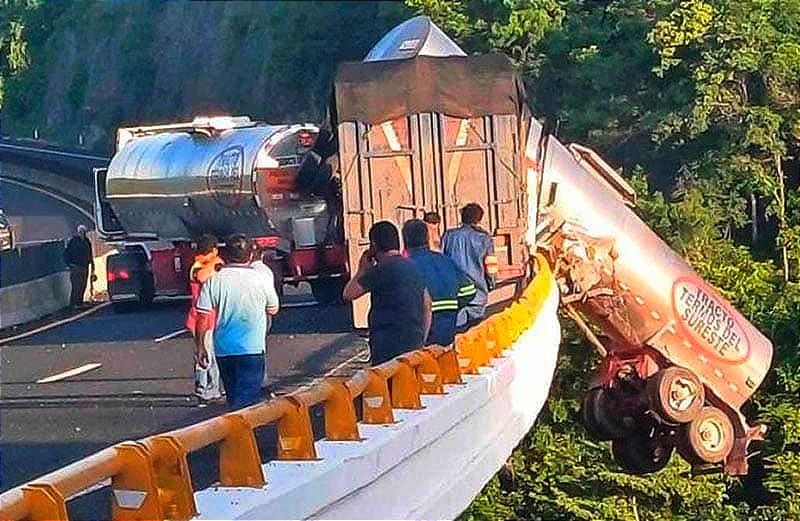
pixel 168 184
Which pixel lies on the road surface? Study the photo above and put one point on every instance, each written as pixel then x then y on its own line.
pixel 140 387
pixel 36 215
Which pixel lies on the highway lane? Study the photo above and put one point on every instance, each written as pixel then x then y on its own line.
pixel 140 387
pixel 37 216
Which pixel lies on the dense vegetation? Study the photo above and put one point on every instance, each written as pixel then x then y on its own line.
pixel 698 101
pixel 704 96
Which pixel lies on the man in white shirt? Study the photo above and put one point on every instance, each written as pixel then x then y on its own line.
pixel 242 298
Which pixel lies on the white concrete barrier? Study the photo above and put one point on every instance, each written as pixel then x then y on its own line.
pixel 429 464
pixel 34 299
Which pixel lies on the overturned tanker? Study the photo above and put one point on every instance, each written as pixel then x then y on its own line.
pixel 169 184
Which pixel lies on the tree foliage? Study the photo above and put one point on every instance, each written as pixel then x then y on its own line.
pixel 703 97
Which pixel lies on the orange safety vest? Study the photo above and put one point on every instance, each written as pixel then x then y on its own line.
pixel 204 266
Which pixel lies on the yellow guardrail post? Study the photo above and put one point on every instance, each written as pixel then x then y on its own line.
pixel 341 423
pixel 136 476
pixel 239 458
pixel 405 386
pixel 429 374
pixel 376 400
pixel 171 471
pixel 44 502
pixel 295 435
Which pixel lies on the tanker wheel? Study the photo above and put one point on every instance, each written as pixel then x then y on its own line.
pixel 640 454
pixel 708 438
pixel 675 394
pixel 328 290
pixel 598 415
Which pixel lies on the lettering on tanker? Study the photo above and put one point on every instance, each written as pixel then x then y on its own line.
pixel 709 321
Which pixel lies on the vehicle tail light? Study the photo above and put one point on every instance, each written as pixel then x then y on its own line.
pixel 111 276
pixel 267 242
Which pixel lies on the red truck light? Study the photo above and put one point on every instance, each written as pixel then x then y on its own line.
pixel 267 242
pixel 111 276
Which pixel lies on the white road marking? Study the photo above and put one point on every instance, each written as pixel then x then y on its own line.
pixel 171 335
pixel 85 368
pixel 317 380
pixel 55 324
pixel 49 194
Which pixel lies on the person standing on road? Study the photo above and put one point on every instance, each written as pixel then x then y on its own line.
pixel 241 297
pixel 471 248
pixel 206 263
pixel 449 287
pixel 400 308
pixel 78 256
pixel 433 220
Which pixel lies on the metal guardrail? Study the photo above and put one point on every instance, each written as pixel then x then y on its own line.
pixel 51 152
pixel 154 471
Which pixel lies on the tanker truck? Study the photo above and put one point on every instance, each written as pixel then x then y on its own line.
pixel 421 126
pixel 168 184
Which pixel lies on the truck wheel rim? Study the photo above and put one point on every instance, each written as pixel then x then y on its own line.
pixel 682 394
pixel 711 434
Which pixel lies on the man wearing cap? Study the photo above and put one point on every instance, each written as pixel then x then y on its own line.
pixel 449 287
pixel 78 257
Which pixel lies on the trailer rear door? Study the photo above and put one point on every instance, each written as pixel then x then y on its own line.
pixel 398 170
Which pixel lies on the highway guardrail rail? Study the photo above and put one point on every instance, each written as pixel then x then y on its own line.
pixel 150 478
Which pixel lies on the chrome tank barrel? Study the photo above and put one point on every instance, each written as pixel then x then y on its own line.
pixel 631 283
pixel 176 185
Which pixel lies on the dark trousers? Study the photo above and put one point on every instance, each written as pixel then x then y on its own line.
pixel 242 376
pixel 78 275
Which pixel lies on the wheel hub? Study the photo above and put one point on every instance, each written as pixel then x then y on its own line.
pixel 682 393
pixel 712 434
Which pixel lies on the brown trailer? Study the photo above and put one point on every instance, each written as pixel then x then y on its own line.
pixel 433 133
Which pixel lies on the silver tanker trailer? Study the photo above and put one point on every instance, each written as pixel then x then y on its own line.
pixel 168 184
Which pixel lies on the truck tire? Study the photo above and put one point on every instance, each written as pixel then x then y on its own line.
pixel 675 394
pixel 708 438
pixel 640 454
pixel 599 417
pixel 328 290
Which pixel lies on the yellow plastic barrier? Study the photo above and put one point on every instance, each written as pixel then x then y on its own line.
pixel 157 465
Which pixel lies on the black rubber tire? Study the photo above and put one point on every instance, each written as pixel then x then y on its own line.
pixel 640 455
pixel 328 290
pixel 694 449
pixel 598 415
pixel 148 291
pixel 659 389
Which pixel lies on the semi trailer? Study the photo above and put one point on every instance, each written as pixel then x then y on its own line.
pixel 423 126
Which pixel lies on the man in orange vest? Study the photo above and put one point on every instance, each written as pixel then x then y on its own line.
pixel 206 263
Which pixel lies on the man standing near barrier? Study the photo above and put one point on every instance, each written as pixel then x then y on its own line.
pixel 240 295
pixel 78 256
pixel 206 263
pixel 449 287
pixel 400 306
pixel 471 248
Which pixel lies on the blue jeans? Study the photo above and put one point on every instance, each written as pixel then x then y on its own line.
pixel 242 376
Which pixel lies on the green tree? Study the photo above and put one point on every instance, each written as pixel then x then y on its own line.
pixel 13 47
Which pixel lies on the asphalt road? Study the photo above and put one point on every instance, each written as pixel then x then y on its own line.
pixel 36 216
pixel 140 388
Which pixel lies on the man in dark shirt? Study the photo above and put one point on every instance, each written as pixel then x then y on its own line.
pixel 449 287
pixel 400 307
pixel 78 256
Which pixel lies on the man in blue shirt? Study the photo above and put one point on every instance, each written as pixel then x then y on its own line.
pixel 241 296
pixel 472 249
pixel 449 287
